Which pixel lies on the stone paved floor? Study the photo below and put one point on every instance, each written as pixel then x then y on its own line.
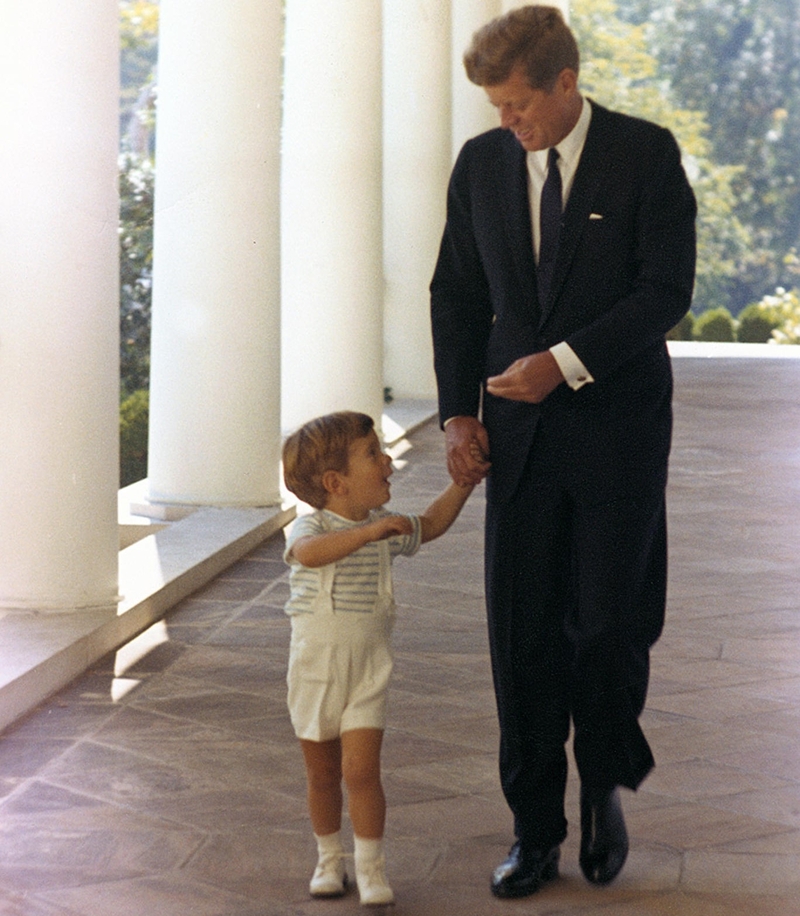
pixel 167 781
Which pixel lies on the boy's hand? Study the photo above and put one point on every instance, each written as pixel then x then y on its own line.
pixel 389 526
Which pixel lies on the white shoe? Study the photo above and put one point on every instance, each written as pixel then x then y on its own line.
pixel 329 878
pixel 371 881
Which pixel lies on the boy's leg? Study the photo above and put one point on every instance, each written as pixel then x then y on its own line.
pixel 361 766
pixel 323 761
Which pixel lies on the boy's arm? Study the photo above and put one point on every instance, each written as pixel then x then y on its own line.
pixel 321 549
pixel 443 511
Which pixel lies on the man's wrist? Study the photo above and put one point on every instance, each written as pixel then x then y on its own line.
pixel 457 416
pixel 576 375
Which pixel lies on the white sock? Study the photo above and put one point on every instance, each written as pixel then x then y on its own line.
pixel 368 850
pixel 331 843
pixel 371 874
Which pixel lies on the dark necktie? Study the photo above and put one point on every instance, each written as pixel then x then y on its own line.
pixel 549 224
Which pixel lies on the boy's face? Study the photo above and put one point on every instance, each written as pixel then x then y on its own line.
pixel 368 472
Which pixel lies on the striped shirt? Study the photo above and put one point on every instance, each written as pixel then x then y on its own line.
pixel 356 580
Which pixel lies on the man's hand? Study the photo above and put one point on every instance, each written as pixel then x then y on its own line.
pixel 467 450
pixel 529 379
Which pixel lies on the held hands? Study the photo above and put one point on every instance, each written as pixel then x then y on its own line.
pixel 530 379
pixel 467 451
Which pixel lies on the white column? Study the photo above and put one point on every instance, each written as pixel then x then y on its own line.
pixel 417 160
pixel 472 113
pixel 215 375
pixel 331 210
pixel 59 305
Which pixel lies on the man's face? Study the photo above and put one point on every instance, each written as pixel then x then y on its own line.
pixel 538 119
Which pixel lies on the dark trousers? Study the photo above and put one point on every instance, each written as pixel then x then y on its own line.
pixel 576 588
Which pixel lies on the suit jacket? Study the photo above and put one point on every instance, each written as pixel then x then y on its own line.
pixel 623 277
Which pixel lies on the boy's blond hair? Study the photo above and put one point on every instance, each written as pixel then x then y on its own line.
pixel 322 444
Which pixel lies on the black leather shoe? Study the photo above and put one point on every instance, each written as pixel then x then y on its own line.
pixel 525 871
pixel 604 837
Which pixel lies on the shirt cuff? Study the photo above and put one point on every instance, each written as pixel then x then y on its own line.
pixel 573 370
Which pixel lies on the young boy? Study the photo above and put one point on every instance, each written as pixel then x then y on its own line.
pixel 342 610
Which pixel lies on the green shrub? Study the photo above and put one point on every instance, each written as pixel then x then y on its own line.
pixel 756 324
pixel 683 329
pixel 715 325
pixel 133 417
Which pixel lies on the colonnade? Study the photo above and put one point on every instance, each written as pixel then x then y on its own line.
pixel 303 152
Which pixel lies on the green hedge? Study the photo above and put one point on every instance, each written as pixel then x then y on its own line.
pixel 683 329
pixel 756 324
pixel 715 325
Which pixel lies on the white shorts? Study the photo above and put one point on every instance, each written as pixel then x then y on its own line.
pixel 339 669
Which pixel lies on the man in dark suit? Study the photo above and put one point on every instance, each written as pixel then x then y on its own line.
pixel 555 381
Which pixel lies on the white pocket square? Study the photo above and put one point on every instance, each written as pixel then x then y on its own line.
pixel 595 216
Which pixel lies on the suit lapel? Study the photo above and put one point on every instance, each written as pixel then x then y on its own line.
pixel 513 176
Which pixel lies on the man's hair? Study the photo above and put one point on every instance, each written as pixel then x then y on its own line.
pixel 321 445
pixel 535 38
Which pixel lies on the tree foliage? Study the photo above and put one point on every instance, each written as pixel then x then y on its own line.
pixel 138 36
pixel 139 53
pixel 133 419
pixel 136 270
pixel 619 70
pixel 782 310
pixel 739 62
